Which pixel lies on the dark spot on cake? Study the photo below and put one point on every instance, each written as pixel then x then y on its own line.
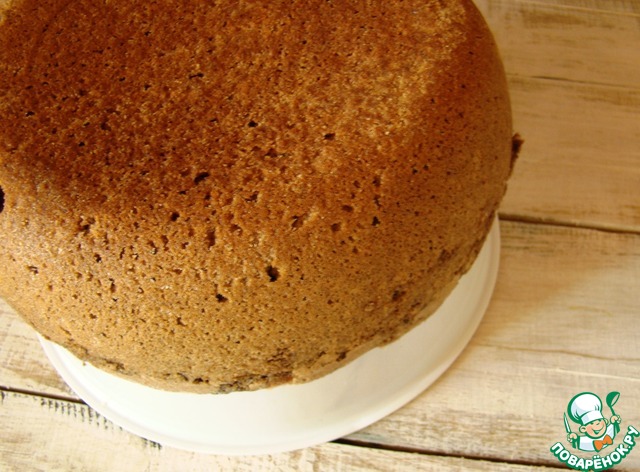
pixel 85 224
pixel 211 238
pixel 153 248
pixel 97 257
pixel 271 153
pixel 197 75
pixel 252 124
pixel 33 269
pixel 174 216
pixel 253 197
pixel 397 295
pixel 200 177
pixel 273 273
pixel 330 136
pixel 444 256
pixel 342 356
pixel 297 222
pixel 29 113
pixel 335 227
pixel 376 221
pixel 347 208
pixel 221 298
pixel 1 200
pixel 282 358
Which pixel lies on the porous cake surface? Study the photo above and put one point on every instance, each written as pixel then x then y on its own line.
pixel 230 195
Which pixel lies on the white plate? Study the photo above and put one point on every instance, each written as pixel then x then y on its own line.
pixel 292 417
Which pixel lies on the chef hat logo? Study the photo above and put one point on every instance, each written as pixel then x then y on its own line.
pixel 585 408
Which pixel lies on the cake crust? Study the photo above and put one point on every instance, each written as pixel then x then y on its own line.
pixel 223 196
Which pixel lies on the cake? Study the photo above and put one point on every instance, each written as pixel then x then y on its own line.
pixel 224 196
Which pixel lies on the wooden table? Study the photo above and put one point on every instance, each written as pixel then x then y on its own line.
pixel 564 319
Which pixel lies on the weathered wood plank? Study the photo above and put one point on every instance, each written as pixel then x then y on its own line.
pixel 574 70
pixel 588 132
pixel 563 320
pixel 593 41
pixel 23 364
pixel 63 436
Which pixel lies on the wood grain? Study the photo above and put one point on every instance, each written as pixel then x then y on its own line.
pixel 23 364
pixel 579 40
pixel 64 436
pixel 589 132
pixel 563 319
pixel 574 75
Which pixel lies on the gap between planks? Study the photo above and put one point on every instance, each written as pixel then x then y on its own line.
pixel 414 450
pixel 571 5
pixel 373 446
pixel 537 220
pixel 572 81
pixel 4 390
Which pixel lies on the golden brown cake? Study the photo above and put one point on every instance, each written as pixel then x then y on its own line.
pixel 230 195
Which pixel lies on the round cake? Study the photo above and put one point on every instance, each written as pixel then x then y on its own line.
pixel 223 196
